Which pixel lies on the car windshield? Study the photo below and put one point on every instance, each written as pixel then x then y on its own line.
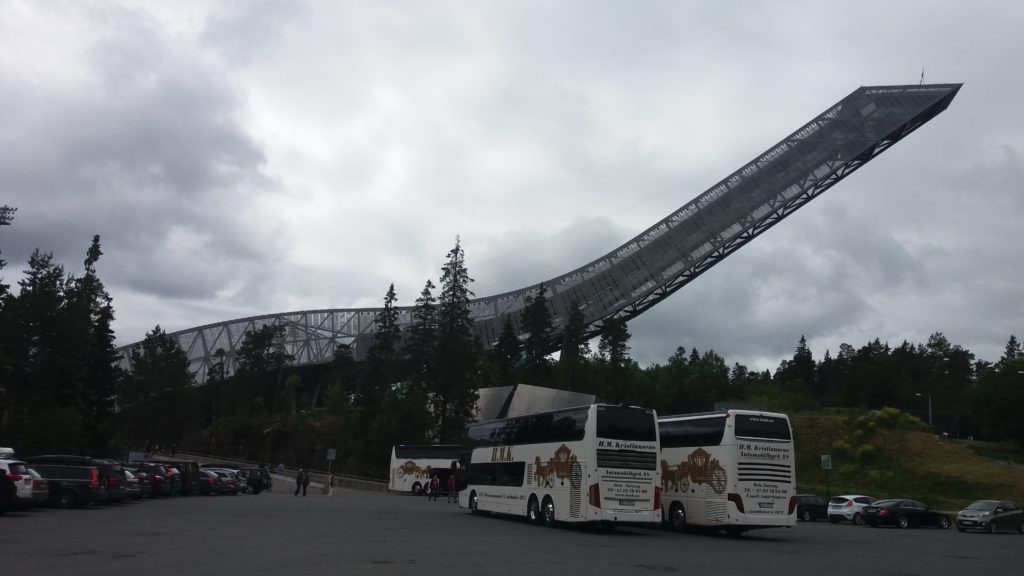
pixel 984 505
pixel 838 500
pixel 883 503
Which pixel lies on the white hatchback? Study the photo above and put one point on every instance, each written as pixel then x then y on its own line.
pixel 848 508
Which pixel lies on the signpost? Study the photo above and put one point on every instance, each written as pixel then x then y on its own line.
pixel 826 465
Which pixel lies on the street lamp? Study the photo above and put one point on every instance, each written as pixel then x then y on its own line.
pixel 918 394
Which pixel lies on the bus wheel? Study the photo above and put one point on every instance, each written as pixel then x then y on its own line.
pixel 533 511
pixel 677 517
pixel 417 489
pixel 548 511
pixel 735 532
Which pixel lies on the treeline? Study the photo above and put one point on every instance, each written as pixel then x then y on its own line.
pixel 61 389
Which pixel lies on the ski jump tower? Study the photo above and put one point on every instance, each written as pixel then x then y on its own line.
pixel 657 262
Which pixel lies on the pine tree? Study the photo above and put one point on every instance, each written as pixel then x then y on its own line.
pixel 153 395
pixel 1012 351
pixel 382 359
pixel 572 362
pixel 100 360
pixel 422 340
pixel 537 325
pixel 507 354
pixel 454 395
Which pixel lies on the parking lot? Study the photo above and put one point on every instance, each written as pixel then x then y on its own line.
pixel 357 532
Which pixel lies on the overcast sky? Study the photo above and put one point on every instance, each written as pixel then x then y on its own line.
pixel 243 158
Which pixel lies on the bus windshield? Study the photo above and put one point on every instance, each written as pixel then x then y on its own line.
pixel 626 423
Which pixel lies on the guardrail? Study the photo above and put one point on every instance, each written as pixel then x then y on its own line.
pixel 318 478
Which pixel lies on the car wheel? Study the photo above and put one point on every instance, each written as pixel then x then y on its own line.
pixel 833 519
pixel 533 511
pixel 943 522
pixel 548 511
pixel 806 516
pixel 858 520
pixel 903 522
pixel 993 527
pixel 66 499
pixel 677 517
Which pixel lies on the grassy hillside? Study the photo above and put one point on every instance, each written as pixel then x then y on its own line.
pixel 888 454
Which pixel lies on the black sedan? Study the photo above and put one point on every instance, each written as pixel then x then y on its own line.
pixel 903 513
pixel 992 516
pixel 811 507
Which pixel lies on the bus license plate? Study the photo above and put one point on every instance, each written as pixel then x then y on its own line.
pixel 627 502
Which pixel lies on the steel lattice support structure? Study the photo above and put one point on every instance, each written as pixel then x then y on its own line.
pixel 657 262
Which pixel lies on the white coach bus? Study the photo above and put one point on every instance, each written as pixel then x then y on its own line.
pixel 595 463
pixel 732 470
pixel 412 466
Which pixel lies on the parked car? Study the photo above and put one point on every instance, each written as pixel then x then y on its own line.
pixel 113 477
pixel 8 493
pixel 207 483
pixel 40 488
pixel 159 483
pixel 17 471
pixel 189 475
pixel 903 513
pixel 72 480
pixel 992 516
pixel 174 480
pixel 144 479
pixel 257 479
pixel 847 508
pixel 228 481
pixel 810 507
pixel 133 485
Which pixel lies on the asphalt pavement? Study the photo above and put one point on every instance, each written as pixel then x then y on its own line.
pixel 361 532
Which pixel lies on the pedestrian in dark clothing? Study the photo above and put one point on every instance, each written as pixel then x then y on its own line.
pixel 301 481
pixel 305 483
pixel 435 487
pixel 453 495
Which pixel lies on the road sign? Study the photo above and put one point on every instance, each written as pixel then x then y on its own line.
pixel 826 461
pixel 331 453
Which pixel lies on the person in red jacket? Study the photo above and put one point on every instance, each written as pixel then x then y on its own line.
pixel 435 487
pixel 453 495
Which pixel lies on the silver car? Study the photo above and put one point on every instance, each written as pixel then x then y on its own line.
pixel 848 508
pixel 992 516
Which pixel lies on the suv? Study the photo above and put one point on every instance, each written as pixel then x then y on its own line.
pixel 159 482
pixel 18 473
pixel 848 508
pixel 257 479
pixel 114 479
pixel 72 480
pixel 189 475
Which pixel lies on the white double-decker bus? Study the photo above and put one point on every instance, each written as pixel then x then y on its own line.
pixel 732 470
pixel 412 466
pixel 595 463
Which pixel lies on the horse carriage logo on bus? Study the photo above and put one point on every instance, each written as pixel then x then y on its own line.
pixel 699 468
pixel 562 465
pixel 410 468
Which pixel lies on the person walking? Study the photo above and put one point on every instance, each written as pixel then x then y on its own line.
pixel 453 496
pixel 301 481
pixel 305 483
pixel 435 487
